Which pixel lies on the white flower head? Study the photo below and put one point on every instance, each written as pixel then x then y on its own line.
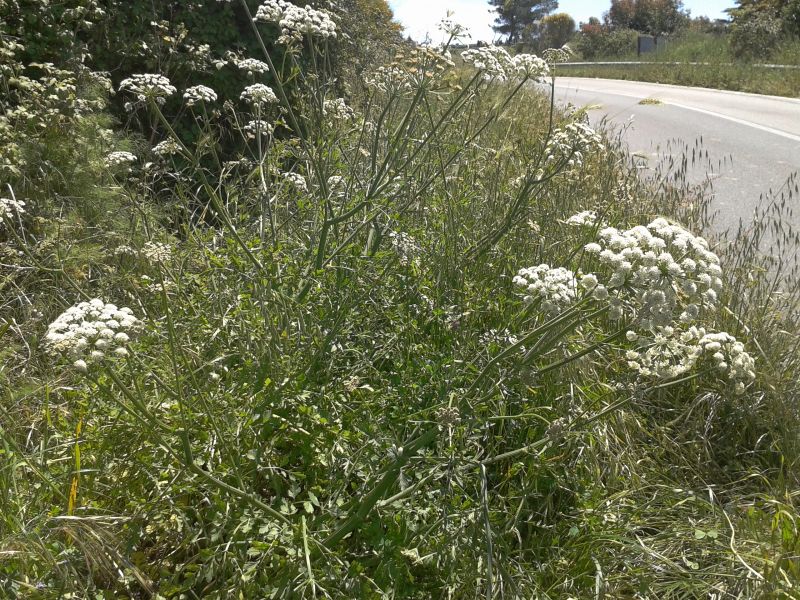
pixel 252 65
pixel 114 159
pixel 148 85
pixel 199 93
pixel 9 207
pixel 554 286
pixel 259 94
pixel 82 333
pixel 296 21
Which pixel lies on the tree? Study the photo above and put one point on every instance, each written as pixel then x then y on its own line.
pixel 785 11
pixel 557 30
pixel 647 16
pixel 514 17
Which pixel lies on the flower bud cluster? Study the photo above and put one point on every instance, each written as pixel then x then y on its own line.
pixel 296 21
pixel 87 332
pixel 556 286
pixel 259 94
pixel 147 85
pixel 199 93
pixel 390 79
pixel 669 271
pixel 115 159
pixel 337 110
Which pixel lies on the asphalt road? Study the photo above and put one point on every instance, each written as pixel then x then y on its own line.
pixel 752 141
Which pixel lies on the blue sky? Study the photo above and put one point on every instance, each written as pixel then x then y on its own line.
pixel 420 17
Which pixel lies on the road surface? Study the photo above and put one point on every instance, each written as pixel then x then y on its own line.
pixel 752 141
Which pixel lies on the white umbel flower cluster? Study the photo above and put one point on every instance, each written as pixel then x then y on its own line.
pixel 406 247
pixel 259 94
pixel 9 207
pixel 494 61
pixel 252 65
pixel 390 79
pixel 672 352
pixel 729 357
pixel 569 144
pixel 148 85
pixel 296 21
pixel 114 159
pixel 256 127
pixel 530 66
pixel 668 272
pixel 90 331
pixel 156 252
pixel 497 63
pixel 199 93
pixel 337 110
pixel 296 180
pixel 554 286
pixel 585 218
pixel 168 147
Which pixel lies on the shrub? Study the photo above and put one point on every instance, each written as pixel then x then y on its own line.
pixel 755 37
pixel 597 41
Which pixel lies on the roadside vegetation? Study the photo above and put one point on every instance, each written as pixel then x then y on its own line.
pixel 323 316
pixel 724 55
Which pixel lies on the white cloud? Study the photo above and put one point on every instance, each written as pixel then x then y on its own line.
pixel 421 17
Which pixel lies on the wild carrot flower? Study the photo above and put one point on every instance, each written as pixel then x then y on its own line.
pixel 297 181
pixel 252 65
pixel 259 94
pixel 10 206
pixel 257 126
pixel 114 159
pixel 583 218
pixel 406 247
pixel 168 147
pixel 554 286
pixel 296 21
pixel 494 61
pixel 148 85
pixel 156 251
pixel 337 110
pixel 199 93
pixel 90 331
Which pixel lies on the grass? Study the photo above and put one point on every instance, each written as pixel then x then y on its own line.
pixel 722 71
pixel 338 391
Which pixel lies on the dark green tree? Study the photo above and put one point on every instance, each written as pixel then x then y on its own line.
pixel 647 16
pixel 515 17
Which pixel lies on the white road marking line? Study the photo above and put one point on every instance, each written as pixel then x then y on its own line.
pixel 785 134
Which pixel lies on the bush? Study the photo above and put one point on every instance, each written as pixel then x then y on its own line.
pixel 755 37
pixel 600 42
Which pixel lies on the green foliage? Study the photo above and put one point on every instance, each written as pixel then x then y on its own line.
pixel 596 41
pixel 755 37
pixel 337 389
pixel 656 17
